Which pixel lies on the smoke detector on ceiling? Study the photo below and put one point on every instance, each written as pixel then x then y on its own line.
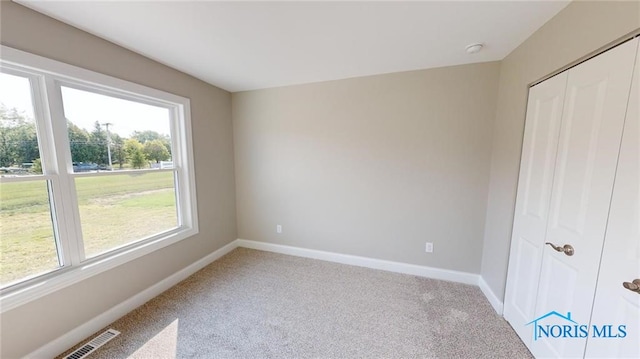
pixel 473 48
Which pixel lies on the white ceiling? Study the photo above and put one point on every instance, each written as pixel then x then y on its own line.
pixel 251 45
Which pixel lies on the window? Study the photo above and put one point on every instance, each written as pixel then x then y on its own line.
pixel 94 172
pixel 113 135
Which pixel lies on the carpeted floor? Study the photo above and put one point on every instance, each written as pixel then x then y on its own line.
pixel 253 304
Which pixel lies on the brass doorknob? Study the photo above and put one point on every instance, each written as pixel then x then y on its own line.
pixel 567 248
pixel 633 286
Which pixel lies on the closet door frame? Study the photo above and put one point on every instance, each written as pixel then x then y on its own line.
pixel 530 264
pixel 591 132
pixel 614 304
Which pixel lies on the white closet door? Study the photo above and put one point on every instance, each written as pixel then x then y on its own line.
pixel 614 304
pixel 590 135
pixel 542 127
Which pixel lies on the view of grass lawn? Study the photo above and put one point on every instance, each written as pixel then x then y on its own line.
pixel 115 210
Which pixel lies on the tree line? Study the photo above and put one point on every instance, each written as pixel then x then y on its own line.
pixel 19 144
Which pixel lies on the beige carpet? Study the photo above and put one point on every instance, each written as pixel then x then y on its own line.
pixel 253 304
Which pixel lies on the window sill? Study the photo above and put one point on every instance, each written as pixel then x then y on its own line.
pixel 41 286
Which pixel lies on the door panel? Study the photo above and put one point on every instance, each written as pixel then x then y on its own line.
pixel 621 254
pixel 583 128
pixel 528 255
pixel 541 156
pixel 591 130
pixel 542 127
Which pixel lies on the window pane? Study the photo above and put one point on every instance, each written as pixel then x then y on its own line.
pixel 27 242
pixel 122 209
pixel 19 153
pixel 108 133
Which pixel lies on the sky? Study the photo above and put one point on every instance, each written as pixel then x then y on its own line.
pixel 85 108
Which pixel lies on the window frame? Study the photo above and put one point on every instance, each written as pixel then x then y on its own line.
pixel 46 77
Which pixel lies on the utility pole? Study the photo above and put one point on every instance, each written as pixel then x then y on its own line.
pixel 107 124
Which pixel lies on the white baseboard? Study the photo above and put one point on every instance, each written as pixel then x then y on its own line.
pixel 398 267
pixel 491 296
pixel 73 337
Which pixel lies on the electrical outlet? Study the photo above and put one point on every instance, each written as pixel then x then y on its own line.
pixel 278 228
pixel 429 247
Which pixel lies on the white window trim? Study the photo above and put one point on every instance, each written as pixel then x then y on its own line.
pixel 62 73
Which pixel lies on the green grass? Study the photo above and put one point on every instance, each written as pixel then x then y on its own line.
pixel 114 210
pixel 91 187
pixel 23 197
pixel 31 196
pixel 160 200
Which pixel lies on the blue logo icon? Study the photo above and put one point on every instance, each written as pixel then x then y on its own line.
pixel 556 325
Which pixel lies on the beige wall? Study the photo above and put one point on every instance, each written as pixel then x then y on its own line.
pixel 26 328
pixel 580 29
pixel 372 166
